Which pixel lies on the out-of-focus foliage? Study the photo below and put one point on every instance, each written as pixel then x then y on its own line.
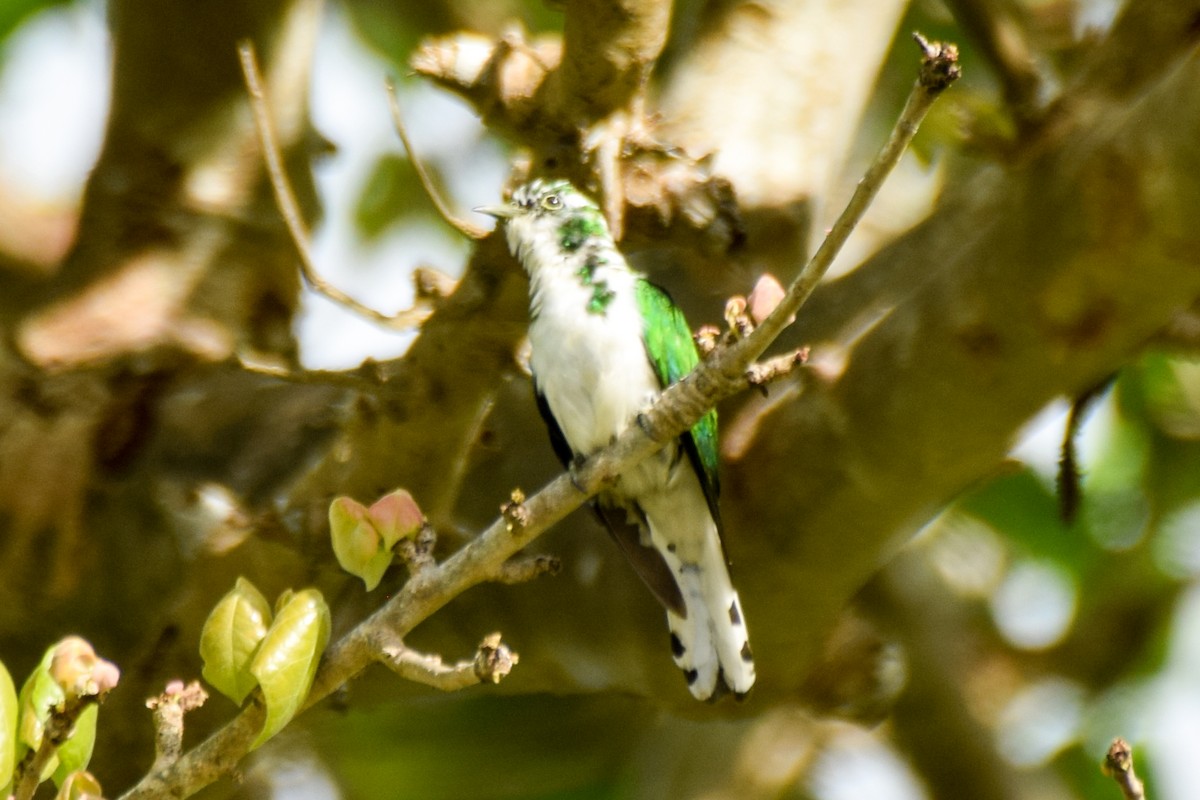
pixel 14 12
pixel 1099 594
pixel 482 747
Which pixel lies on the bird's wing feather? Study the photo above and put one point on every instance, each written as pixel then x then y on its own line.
pixel 557 439
pixel 647 562
pixel 673 354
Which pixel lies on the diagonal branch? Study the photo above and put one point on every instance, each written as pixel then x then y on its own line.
pixel 727 372
pixel 463 227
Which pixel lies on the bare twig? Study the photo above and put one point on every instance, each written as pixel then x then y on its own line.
pixel 1118 765
pixel 677 410
pixel 462 226
pixel 289 209
pixel 364 378
pixel 492 662
pixel 1070 491
pixel 939 69
pixel 169 709
pixel 763 372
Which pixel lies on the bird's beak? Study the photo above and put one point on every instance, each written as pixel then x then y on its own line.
pixel 499 212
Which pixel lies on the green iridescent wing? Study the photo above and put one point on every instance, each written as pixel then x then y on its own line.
pixel 673 353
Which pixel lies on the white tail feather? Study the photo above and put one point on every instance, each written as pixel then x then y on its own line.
pixel 710 644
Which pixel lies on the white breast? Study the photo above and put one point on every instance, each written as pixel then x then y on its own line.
pixel 592 368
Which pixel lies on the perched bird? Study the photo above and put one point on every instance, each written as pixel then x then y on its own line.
pixel 605 343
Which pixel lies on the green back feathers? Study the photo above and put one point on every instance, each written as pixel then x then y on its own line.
pixel 671 350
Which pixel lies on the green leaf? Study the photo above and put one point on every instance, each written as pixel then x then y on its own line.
pixel 9 711
pixel 80 785
pixel 39 694
pixel 231 636
pixel 358 545
pixel 287 660
pixel 76 752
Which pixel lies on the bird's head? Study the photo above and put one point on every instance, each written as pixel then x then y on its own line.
pixel 548 219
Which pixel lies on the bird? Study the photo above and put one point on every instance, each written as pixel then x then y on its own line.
pixel 605 342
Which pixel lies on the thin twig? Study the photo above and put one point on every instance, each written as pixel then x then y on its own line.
pixel 763 372
pixel 1070 490
pixel 676 410
pixel 492 662
pixel 462 226
pixel 169 709
pixel 365 378
pixel 1118 765
pixel 939 68
pixel 289 208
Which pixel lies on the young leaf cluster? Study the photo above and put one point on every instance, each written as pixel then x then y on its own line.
pixel 363 537
pixel 244 646
pixel 47 731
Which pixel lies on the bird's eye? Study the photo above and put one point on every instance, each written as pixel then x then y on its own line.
pixel 551 202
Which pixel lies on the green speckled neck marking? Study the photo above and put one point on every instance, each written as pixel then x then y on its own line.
pixel 601 294
pixel 578 228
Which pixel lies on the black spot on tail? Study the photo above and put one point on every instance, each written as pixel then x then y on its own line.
pixel 735 618
pixel 747 656
pixel 677 648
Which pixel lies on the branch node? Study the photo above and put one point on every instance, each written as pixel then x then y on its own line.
pixel 737 318
pixel 494 660
pixel 516 516
pixel 169 709
pixel 417 552
pixel 939 63
pixel 707 339
pixel 431 285
pixel 1118 765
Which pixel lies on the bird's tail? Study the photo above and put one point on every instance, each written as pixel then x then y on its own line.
pixel 710 643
